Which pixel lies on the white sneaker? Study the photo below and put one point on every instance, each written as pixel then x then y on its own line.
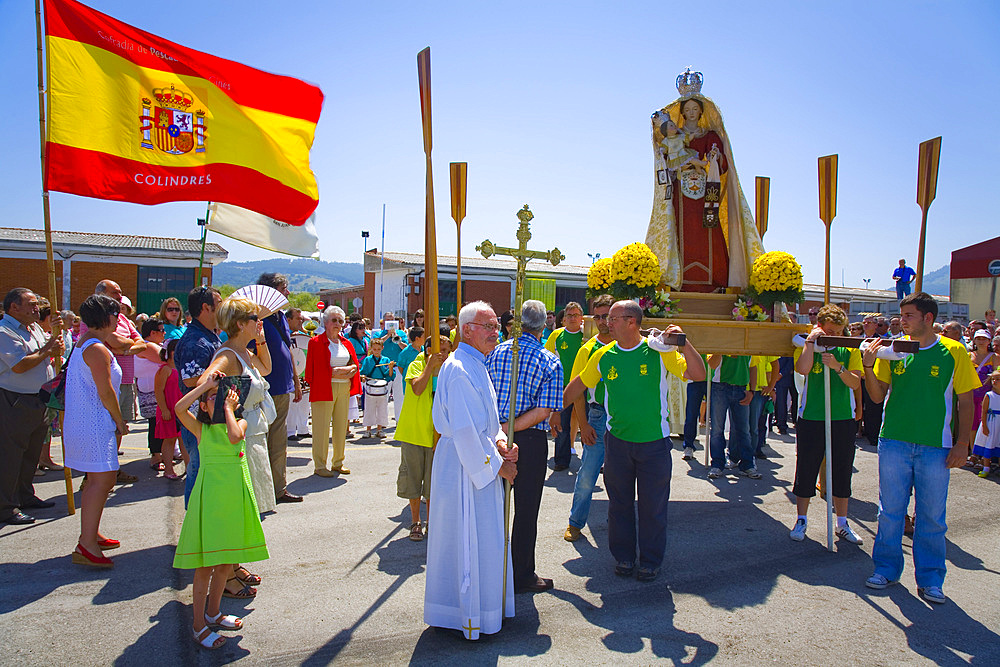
pixel 714 473
pixel 688 453
pixel 848 534
pixel 798 533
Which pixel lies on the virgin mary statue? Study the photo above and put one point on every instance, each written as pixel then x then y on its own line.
pixel 701 228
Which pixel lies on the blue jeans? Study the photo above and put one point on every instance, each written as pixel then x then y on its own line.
pixel 590 468
pixel 692 411
pixel 757 432
pixel 637 470
pixel 726 400
pixel 564 448
pixel 903 466
pixel 191 444
pixel 902 289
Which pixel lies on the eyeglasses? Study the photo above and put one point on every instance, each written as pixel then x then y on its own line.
pixel 488 327
pixel 620 317
pixel 601 317
pixel 253 317
pixel 335 320
pixel 173 309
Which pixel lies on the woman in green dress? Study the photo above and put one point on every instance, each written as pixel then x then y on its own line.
pixel 222 524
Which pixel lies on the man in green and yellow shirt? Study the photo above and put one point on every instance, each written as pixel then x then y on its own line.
pixel 565 342
pixel 915 449
pixel 637 442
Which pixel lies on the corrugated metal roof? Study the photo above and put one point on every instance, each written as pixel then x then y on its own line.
pixel 479 262
pixel 124 241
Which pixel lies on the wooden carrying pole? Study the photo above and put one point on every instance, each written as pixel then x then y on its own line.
pixel 49 255
pixel 927 173
pixel 430 235
pixel 827 212
pixel 459 174
pixel 827 209
pixel 762 187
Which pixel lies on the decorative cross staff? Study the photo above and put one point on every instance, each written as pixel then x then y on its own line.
pixel 522 255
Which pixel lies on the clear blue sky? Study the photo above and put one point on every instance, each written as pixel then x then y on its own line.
pixel 549 104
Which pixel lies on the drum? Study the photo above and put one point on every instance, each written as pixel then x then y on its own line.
pixel 377 387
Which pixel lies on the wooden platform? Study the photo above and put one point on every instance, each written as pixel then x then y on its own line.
pixel 707 320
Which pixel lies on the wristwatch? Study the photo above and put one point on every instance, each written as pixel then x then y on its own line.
pixel 842 369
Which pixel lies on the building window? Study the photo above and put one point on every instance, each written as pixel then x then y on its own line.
pixel 156 283
pixel 566 294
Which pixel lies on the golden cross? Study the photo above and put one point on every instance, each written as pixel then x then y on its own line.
pixel 468 628
pixel 522 255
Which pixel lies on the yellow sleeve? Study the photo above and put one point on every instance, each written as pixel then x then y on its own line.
pixel 883 371
pixel 854 361
pixel 675 363
pixel 591 374
pixel 966 378
pixel 582 357
pixel 550 342
pixel 451 334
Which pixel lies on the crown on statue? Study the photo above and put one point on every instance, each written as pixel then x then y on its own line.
pixel 689 83
pixel 172 98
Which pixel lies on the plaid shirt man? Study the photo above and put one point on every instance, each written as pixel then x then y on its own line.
pixel 539 380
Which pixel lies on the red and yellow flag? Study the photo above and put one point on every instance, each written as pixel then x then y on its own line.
pixel 134 117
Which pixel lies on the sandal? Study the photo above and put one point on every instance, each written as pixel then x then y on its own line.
pixel 228 622
pixel 158 467
pixel 245 593
pixel 416 532
pixel 211 641
pixel 125 478
pixel 246 577
pixel 172 475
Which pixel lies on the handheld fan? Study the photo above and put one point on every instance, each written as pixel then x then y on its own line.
pixel 269 299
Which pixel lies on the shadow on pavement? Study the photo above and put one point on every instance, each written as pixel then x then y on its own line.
pixel 136 573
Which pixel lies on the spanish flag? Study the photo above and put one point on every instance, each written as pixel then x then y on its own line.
pixel 133 117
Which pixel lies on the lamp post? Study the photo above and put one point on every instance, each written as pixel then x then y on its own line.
pixel 594 256
pixel 364 235
pixel 867 282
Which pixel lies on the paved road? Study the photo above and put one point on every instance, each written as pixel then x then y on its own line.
pixel 345 584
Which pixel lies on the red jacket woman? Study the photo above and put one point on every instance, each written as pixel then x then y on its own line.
pixel 330 396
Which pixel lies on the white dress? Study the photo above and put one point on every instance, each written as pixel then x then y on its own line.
pixel 465 542
pixel 258 412
pixel 88 429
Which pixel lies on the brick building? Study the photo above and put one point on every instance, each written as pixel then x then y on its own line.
pixel 148 268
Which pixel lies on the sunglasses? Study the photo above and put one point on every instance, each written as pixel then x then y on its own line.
pixel 173 309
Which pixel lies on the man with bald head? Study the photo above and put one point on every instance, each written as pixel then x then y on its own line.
pixel 953 330
pixel 637 444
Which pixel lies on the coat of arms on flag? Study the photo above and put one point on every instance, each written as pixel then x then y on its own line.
pixel 172 126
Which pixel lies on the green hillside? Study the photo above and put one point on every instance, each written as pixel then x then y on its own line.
pixel 304 275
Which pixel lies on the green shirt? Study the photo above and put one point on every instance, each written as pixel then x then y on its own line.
pixel 813 402
pixel 922 388
pixel 565 345
pixel 636 385
pixel 735 370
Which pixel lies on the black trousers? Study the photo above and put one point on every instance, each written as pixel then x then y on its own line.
pixel 781 392
pixel 533 451
pixel 871 416
pixel 22 435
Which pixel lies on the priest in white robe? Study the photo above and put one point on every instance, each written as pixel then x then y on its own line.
pixel 465 535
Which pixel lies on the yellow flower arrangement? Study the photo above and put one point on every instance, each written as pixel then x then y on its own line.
pixel 775 276
pixel 599 275
pixel 635 265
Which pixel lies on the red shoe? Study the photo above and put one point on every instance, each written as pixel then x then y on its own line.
pixel 83 557
pixel 107 544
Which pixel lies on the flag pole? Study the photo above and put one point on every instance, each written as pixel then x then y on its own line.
pixel 204 234
pixel 381 269
pixel 49 255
